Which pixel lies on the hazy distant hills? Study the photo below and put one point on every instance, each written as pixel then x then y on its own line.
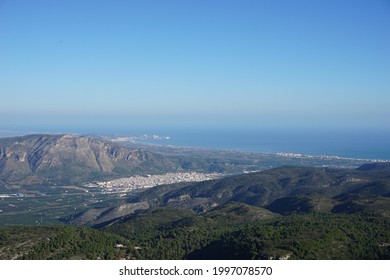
pixel 379 166
pixel 70 158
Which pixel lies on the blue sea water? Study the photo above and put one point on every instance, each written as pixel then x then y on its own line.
pixel 357 144
pixel 351 144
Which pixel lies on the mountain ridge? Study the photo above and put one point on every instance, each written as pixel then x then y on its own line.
pixel 67 158
pixel 283 190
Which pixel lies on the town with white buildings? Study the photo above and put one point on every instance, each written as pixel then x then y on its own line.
pixel 128 184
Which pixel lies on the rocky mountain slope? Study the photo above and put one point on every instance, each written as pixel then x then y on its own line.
pixel 69 158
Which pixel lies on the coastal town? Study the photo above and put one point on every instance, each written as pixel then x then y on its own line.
pixel 325 157
pixel 128 184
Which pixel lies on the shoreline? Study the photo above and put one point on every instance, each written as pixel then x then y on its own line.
pixel 281 154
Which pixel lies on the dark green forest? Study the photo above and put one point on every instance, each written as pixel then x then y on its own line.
pixel 166 233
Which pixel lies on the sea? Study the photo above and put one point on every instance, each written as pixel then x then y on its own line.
pixel 373 145
pixel 362 144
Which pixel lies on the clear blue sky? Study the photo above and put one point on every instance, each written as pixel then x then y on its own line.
pixel 216 63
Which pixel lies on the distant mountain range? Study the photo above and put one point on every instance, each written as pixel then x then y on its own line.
pixel 62 159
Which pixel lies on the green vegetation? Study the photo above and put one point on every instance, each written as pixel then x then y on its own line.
pixel 313 236
pixel 177 234
pixel 169 233
pixel 60 242
pixel 234 231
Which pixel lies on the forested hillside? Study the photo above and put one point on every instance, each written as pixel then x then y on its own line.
pixel 233 232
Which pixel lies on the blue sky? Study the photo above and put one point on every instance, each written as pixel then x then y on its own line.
pixel 285 64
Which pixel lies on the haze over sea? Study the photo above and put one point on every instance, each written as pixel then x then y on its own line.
pixel 342 143
pixel 356 144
